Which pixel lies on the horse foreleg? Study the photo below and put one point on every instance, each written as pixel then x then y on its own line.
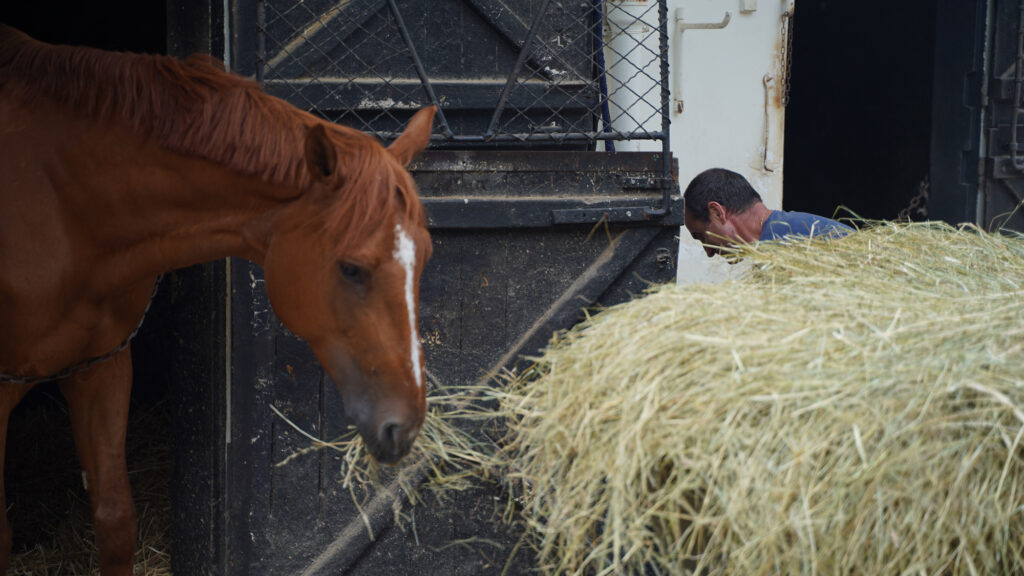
pixel 98 399
pixel 10 395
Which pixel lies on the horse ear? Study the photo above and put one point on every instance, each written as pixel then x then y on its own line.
pixel 415 138
pixel 321 158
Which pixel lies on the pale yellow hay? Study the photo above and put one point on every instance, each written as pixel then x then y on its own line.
pixel 852 406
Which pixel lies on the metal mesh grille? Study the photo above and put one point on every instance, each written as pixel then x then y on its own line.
pixel 564 72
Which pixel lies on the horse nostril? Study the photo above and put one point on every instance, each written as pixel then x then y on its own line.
pixel 395 438
pixel 389 434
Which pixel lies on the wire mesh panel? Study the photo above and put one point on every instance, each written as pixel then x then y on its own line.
pixel 561 72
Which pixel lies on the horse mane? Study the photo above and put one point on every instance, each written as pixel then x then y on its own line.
pixel 195 108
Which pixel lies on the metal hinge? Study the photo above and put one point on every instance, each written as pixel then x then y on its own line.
pixel 1016 147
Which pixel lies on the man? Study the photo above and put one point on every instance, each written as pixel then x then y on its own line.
pixel 721 208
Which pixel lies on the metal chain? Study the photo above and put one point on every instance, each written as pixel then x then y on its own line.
pixel 787 19
pixel 918 205
pixel 29 380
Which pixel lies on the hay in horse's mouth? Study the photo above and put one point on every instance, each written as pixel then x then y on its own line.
pixel 452 458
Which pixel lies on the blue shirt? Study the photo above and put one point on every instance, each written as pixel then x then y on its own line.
pixel 780 224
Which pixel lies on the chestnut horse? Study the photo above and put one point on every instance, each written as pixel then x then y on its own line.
pixel 118 167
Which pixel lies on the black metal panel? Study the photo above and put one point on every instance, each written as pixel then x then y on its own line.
pixel 975 92
pixel 524 240
pixel 466 96
pixel 1003 186
pixel 473 189
pixel 197 401
pixel 358 62
pixel 495 297
pixel 956 109
pixel 199 366
pixel 487 297
pixel 499 72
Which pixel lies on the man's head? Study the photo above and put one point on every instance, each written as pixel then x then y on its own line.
pixel 717 202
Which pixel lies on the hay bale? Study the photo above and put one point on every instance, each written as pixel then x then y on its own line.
pixel 851 406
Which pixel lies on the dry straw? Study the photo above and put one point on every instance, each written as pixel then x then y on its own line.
pixel 444 458
pixel 850 406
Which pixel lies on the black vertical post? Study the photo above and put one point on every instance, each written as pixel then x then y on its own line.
pixel 198 362
pixel 956 109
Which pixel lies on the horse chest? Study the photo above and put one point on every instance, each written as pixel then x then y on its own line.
pixel 46 340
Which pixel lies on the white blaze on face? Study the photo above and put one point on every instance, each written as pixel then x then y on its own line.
pixel 405 255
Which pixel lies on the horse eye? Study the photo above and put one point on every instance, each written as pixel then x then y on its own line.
pixel 352 273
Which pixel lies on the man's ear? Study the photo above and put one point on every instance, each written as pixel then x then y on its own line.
pixel 717 213
pixel 321 157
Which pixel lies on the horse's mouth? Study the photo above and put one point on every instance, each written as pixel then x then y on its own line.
pixel 386 457
pixel 388 440
pixel 387 420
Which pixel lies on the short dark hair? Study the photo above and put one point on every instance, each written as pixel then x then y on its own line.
pixel 718 185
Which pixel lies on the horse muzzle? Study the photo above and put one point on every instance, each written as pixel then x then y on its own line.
pixel 388 428
pixel 394 440
pixel 387 408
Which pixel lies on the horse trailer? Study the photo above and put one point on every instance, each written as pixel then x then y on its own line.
pixel 566 130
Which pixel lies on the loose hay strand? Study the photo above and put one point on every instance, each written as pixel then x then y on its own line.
pixel 850 406
pixel 453 458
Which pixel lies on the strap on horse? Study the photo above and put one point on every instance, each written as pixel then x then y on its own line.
pixel 86 364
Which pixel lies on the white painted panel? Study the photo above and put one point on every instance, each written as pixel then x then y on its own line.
pixel 729 81
pixel 634 107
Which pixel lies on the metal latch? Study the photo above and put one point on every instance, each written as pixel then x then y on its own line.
pixel 645 182
pixel 601 214
pixel 677 77
pixel 592 215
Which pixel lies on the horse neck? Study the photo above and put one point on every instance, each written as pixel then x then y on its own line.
pixel 146 158
pixel 152 210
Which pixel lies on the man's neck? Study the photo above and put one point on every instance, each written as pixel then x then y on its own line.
pixel 751 221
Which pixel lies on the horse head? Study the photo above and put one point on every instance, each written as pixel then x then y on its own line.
pixel 342 269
